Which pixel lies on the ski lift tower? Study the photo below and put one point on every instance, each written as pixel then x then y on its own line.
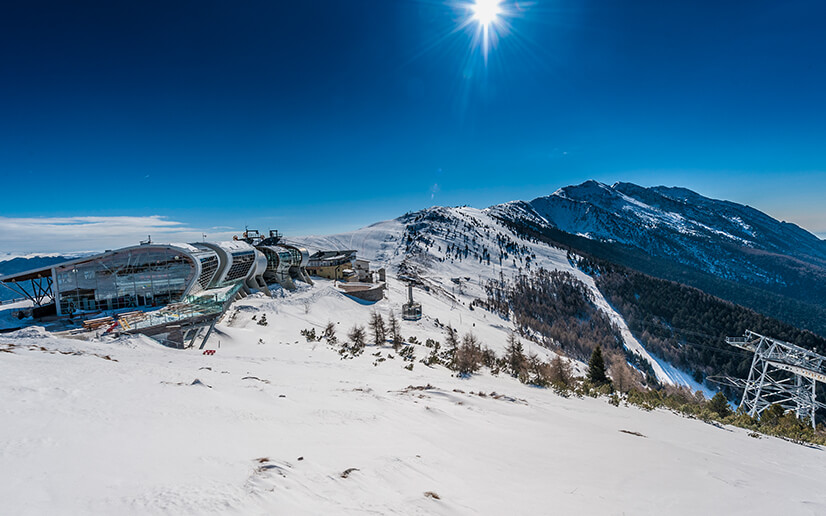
pixel 781 373
pixel 411 311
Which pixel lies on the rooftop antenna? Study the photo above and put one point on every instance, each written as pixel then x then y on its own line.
pixel 274 238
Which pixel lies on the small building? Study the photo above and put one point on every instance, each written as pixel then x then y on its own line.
pixel 334 265
pixel 411 311
pixel 370 292
pixel 363 271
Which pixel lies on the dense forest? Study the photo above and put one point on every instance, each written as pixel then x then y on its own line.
pixel 555 309
pixel 685 325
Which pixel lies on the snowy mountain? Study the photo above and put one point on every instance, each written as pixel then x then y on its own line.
pixel 730 250
pixel 719 237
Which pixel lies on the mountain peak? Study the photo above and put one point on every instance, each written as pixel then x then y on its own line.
pixel 715 236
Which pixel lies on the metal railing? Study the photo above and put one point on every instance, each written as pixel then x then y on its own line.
pixel 202 305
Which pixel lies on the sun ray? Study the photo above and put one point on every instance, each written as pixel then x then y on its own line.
pixel 488 16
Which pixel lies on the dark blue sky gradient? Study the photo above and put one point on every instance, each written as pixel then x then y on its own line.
pixel 322 116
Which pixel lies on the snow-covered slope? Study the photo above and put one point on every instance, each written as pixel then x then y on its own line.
pixel 456 251
pixel 272 424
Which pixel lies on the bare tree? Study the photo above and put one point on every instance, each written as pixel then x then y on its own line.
pixel 623 376
pixel 539 371
pixel 561 372
pixel 468 355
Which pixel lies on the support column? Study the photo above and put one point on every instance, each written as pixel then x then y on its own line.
pixel 750 382
pixel 56 291
pixel 814 404
pixel 195 333
pixel 209 331
pixel 759 389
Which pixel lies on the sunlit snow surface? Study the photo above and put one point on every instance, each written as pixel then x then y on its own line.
pixel 117 427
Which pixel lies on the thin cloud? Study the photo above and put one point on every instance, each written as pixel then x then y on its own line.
pixel 73 234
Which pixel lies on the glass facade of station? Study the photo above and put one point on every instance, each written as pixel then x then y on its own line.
pixel 242 262
pixel 138 277
pixel 279 259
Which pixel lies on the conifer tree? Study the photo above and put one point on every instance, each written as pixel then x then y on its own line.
pixel 515 357
pixel 451 347
pixel 395 331
pixel 330 332
pixel 378 329
pixel 719 405
pixel 452 339
pixel 596 368
pixel 356 336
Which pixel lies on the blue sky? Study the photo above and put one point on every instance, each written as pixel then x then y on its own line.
pixel 318 117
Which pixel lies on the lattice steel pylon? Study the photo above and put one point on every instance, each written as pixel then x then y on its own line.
pixel 781 373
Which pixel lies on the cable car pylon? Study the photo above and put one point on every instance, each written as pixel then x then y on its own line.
pixel 781 373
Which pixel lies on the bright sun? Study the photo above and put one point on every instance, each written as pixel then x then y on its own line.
pixel 486 12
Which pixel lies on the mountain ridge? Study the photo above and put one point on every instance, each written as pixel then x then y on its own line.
pixel 729 250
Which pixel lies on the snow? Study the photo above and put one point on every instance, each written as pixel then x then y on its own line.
pixel 677 376
pixel 121 427
pixel 378 242
pixel 186 247
pixel 677 225
pixel 234 245
pixel 4 257
pixel 631 342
